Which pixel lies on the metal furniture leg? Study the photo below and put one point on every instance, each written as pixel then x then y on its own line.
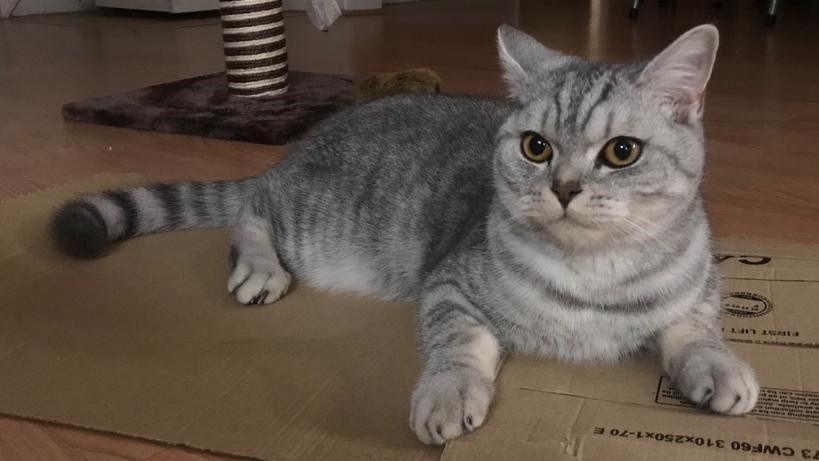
pixel 772 12
pixel 635 9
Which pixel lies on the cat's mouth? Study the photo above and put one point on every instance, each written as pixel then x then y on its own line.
pixel 572 219
pixel 568 222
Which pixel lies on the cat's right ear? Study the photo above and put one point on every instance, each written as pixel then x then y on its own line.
pixel 524 60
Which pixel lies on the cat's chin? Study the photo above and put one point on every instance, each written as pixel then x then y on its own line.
pixel 574 234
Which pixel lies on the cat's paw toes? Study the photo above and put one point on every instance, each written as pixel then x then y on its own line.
pixel 718 380
pixel 448 404
pixel 253 287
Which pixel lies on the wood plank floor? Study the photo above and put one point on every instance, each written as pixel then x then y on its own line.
pixel 762 118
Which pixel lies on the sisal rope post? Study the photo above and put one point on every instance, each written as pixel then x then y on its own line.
pixel 254 44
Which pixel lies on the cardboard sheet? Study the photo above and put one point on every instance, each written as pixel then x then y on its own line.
pixel 147 342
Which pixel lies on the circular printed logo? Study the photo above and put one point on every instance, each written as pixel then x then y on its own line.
pixel 744 304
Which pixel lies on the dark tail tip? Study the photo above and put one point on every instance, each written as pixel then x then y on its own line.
pixel 78 230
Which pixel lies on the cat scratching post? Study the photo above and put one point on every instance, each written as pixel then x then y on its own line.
pixel 262 102
pixel 255 47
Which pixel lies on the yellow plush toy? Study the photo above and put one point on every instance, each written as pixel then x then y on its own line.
pixel 388 83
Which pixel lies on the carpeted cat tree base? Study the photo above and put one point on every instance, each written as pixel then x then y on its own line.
pixel 201 106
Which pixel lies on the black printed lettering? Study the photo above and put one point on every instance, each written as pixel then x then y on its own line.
pixel 810 454
pixel 693 440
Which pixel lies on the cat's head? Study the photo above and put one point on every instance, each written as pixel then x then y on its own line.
pixel 599 153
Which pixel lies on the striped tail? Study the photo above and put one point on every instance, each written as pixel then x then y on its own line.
pixel 89 225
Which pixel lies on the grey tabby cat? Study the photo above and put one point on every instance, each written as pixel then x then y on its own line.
pixel 566 221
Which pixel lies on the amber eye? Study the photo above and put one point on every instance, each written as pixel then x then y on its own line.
pixel 535 148
pixel 621 152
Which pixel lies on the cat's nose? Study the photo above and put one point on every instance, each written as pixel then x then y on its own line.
pixel 566 191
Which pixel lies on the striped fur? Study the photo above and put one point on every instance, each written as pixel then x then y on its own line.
pixel 428 198
pixel 88 226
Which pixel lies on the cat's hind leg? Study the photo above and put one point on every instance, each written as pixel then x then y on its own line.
pixel 257 276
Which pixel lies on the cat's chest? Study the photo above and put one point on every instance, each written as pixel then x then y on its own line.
pixel 595 307
pixel 583 317
pixel 581 336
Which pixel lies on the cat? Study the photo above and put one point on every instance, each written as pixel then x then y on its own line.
pixel 565 220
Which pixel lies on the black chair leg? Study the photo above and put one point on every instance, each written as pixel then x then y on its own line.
pixel 635 9
pixel 771 19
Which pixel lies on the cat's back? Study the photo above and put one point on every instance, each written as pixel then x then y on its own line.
pixel 374 196
pixel 398 131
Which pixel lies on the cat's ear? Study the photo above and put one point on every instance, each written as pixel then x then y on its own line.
pixel 680 73
pixel 523 60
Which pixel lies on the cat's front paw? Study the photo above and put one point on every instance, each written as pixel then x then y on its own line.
pixel 254 285
pixel 717 379
pixel 448 404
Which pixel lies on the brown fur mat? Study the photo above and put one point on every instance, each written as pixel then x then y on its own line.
pixel 201 106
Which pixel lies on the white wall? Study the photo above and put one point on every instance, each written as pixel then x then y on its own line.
pixel 346 5
pixel 24 7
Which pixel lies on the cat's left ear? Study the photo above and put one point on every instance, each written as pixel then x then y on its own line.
pixel 680 73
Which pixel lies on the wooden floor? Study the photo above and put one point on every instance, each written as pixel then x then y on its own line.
pixel 762 116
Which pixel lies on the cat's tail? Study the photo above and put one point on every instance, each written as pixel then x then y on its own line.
pixel 89 225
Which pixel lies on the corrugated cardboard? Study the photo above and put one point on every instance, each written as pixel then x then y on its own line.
pixel 147 342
